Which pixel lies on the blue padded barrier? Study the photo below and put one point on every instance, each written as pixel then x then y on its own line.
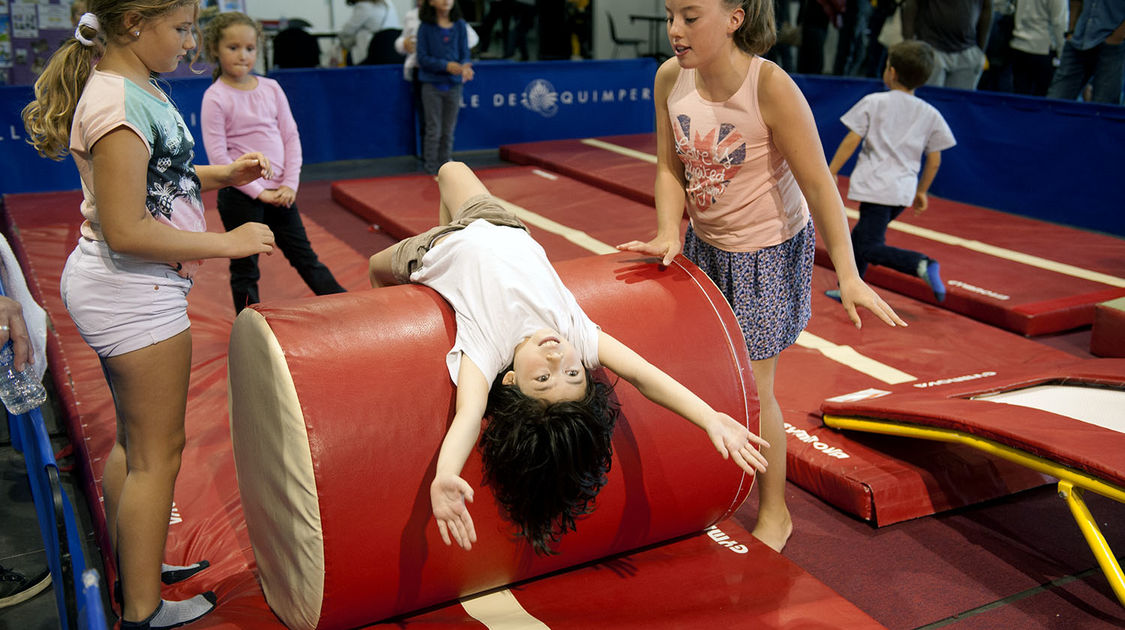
pixel 79 603
pixel 78 599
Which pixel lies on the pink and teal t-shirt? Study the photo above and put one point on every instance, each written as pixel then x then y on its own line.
pixel 172 188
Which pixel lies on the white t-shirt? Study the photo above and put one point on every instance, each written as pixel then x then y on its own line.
pixel 502 289
pixel 897 129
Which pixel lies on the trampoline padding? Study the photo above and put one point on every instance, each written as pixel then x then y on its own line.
pixel 884 479
pixel 1065 440
pixel 339 406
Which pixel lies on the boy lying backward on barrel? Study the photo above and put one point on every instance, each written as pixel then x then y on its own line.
pixel 523 356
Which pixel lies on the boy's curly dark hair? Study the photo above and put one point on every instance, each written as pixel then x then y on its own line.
pixel 546 463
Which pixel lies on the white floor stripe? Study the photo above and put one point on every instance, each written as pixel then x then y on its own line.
pixel 616 148
pixel 577 237
pixel 1000 252
pixel 501 611
pixel 849 357
pixel 941 237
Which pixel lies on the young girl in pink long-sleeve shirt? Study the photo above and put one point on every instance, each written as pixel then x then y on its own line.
pixel 241 109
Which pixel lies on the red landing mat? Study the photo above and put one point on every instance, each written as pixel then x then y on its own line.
pixel 625 165
pixel 883 479
pixel 734 581
pixel 723 578
pixel 1007 270
pixel 570 212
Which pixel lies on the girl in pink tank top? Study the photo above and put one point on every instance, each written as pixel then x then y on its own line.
pixel 738 147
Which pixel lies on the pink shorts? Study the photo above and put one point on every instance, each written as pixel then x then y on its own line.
pixel 120 303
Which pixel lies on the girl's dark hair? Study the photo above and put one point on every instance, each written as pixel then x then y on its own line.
pixel 547 463
pixel 428 14
pixel 758 31
pixel 213 36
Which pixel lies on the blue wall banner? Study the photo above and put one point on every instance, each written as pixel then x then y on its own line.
pixel 1046 159
pixel 525 102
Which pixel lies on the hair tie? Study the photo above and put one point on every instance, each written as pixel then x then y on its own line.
pixel 90 20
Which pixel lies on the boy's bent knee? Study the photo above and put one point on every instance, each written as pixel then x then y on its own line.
pixel 451 169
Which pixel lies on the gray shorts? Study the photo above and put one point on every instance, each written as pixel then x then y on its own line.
pixel 121 304
pixel 407 255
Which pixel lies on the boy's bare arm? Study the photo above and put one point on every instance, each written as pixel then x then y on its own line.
pixel 844 151
pixel 449 493
pixel 729 437
pixel 929 171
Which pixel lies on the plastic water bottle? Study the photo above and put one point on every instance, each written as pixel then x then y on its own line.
pixel 19 391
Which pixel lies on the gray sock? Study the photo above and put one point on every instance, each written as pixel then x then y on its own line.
pixel 923 265
pixel 172 614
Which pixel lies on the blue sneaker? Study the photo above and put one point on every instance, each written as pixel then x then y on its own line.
pixel 834 294
pixel 932 276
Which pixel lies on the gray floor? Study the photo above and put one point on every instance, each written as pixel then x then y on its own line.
pixel 22 551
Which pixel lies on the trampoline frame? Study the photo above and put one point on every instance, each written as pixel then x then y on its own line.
pixel 1072 482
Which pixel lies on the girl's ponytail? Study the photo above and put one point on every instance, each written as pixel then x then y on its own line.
pixel 48 118
pixel 759 28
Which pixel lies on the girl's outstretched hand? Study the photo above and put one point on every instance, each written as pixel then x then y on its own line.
pixel 448 495
pixel 735 441
pixel 857 293
pixel 665 248
pixel 249 239
pixel 247 168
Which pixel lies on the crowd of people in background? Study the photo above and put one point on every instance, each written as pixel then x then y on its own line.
pixel 1064 49
pixel 1056 48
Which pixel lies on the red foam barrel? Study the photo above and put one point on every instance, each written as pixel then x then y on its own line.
pixel 339 405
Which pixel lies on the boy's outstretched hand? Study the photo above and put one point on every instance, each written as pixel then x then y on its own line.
pixel 733 440
pixel 448 495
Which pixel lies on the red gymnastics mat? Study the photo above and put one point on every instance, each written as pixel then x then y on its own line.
pixel 735 581
pixel 881 479
pixel 570 219
pixel 625 165
pixel 1021 274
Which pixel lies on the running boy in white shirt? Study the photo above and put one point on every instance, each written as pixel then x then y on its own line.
pixel 523 356
pixel 896 128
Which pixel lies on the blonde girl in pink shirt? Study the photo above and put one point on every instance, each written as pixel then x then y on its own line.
pixel 737 145
pixel 126 283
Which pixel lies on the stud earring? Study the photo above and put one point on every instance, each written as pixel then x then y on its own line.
pixel 136 33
